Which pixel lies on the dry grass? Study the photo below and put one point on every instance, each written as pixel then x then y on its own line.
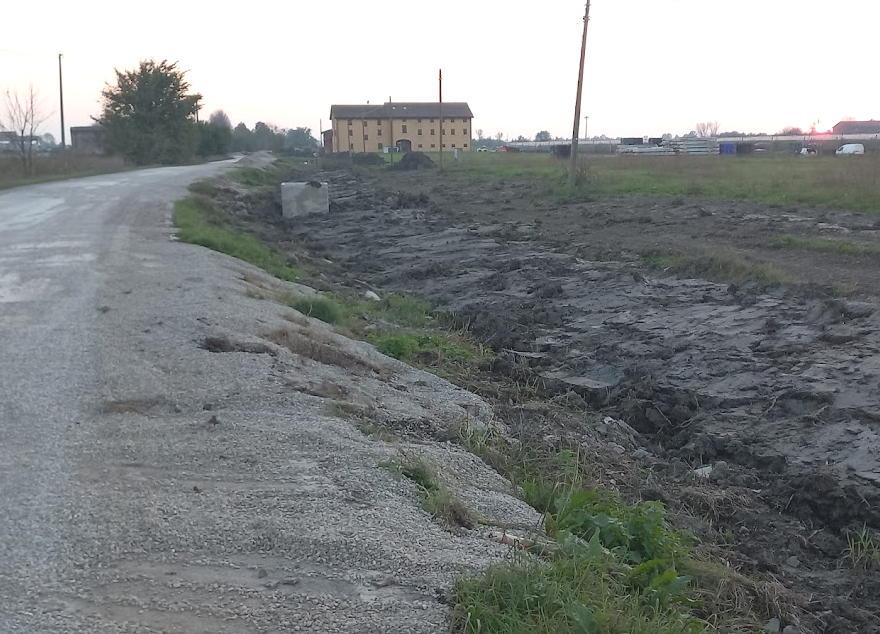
pixel 308 345
pixel 58 166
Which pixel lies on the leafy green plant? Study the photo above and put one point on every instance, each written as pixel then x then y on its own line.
pixel 863 549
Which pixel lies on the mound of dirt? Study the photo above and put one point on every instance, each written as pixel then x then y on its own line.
pixel 415 161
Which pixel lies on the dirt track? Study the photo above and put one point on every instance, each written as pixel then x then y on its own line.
pixel 779 385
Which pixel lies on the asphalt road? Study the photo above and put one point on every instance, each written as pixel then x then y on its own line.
pixel 148 484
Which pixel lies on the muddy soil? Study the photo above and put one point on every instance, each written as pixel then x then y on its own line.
pixel 776 389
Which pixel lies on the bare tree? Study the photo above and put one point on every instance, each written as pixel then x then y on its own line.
pixel 708 129
pixel 23 116
pixel 480 134
pixel 499 136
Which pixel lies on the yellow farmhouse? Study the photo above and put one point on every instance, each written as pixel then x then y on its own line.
pixel 407 126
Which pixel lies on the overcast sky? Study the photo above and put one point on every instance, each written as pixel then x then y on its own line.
pixel 652 67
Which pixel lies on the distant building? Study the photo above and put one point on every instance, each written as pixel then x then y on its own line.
pixel 87 139
pixel 406 126
pixel 8 141
pixel 857 127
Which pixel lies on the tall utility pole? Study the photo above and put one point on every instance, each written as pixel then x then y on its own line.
pixel 572 168
pixel 61 98
pixel 440 78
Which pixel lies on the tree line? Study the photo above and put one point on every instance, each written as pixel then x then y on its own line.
pixel 149 116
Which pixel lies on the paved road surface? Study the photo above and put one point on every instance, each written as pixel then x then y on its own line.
pixel 149 485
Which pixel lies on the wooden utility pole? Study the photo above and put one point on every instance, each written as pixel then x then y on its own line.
pixel 440 79
pixel 61 98
pixel 572 168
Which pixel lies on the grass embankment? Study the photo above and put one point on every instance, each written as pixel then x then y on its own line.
pixel 57 167
pixel 399 326
pixel 200 221
pixel 837 182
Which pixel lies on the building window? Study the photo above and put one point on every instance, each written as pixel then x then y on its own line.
pixel 444 145
pixel 464 131
pixel 380 146
pixel 380 130
pixel 465 144
pixel 419 132
pixel 349 122
pixel 403 128
pixel 403 120
pixel 419 121
pixel 432 121
pixel 453 145
pixel 420 146
pixel 350 132
pixel 452 121
pixel 366 138
pixel 351 146
pixel 433 145
pixel 366 123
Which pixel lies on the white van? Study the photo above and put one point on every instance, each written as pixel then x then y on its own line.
pixel 850 149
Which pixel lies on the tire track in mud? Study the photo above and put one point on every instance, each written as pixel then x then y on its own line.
pixel 776 381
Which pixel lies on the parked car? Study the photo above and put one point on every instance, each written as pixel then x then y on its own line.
pixel 482 149
pixel 851 149
pixel 809 151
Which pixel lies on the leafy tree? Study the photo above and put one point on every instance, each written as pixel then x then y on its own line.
pixel 242 138
pixel 267 137
pixel 220 119
pixel 543 135
pixel 215 136
pixel 299 140
pixel 149 115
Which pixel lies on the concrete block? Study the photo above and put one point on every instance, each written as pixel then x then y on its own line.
pixel 300 199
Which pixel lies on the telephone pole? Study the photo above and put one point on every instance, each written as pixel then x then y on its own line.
pixel 572 168
pixel 61 98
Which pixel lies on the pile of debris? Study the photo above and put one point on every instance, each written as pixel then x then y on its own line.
pixel 414 161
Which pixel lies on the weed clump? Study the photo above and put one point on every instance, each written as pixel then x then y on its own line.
pixel 323 308
pixel 436 498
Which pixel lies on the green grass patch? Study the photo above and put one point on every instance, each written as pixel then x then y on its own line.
pixel 255 176
pixel 199 221
pixel 718 267
pixel 437 500
pixel 614 568
pixel 824 245
pixel 776 179
pixel 425 347
pixel 323 308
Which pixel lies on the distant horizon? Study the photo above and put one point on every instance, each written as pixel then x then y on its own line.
pixel 743 64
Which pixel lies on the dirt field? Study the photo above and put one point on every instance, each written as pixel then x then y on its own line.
pixel 739 335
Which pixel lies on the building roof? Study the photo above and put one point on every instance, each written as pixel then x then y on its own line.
pixel 400 110
pixel 857 127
